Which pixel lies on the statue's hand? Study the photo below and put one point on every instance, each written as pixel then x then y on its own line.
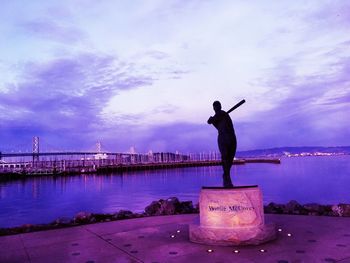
pixel 210 120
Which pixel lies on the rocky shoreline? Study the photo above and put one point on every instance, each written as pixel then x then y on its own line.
pixel 172 206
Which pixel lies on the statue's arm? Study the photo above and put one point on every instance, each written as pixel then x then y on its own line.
pixel 213 120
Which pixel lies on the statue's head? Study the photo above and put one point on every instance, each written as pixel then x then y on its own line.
pixel 217 106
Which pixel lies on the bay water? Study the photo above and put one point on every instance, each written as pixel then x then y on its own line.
pixel 35 200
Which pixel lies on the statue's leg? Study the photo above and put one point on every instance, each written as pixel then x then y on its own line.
pixel 231 152
pixel 226 158
pixel 227 182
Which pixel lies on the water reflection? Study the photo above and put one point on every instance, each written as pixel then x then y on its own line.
pixel 43 199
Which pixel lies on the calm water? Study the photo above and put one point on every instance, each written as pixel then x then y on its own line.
pixel 323 180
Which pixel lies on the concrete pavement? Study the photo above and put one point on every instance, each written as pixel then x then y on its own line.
pixel 165 239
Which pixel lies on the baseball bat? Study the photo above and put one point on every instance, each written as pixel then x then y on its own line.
pixel 236 106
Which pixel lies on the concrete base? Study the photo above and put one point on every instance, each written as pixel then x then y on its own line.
pixel 231 236
pixel 231 217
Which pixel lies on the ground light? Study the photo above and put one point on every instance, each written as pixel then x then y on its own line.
pixel 262 250
pixel 236 251
pixel 280 230
pixel 289 234
pixel 210 250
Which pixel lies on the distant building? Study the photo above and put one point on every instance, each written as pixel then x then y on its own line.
pixel 132 150
pixel 100 156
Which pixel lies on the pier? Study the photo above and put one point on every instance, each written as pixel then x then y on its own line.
pixel 57 163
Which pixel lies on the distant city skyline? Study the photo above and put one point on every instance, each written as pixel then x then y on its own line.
pixel 145 73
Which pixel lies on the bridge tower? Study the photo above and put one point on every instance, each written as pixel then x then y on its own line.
pixel 35 149
pixel 98 147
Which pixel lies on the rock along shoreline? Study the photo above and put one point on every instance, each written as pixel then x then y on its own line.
pixel 172 206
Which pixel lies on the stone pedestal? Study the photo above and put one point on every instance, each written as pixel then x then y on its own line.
pixel 231 216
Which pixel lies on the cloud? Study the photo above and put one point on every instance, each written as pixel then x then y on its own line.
pixel 292 66
pixel 331 14
pixel 309 109
pixel 167 108
pixel 177 136
pixel 154 54
pixel 52 30
pixel 65 97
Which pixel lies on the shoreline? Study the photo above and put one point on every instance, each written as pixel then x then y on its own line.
pixel 172 206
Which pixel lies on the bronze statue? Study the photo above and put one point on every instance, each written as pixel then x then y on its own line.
pixel 226 139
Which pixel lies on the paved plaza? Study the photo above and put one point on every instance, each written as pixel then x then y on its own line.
pixel 165 239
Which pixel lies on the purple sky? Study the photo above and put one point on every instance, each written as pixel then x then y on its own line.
pixel 145 73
